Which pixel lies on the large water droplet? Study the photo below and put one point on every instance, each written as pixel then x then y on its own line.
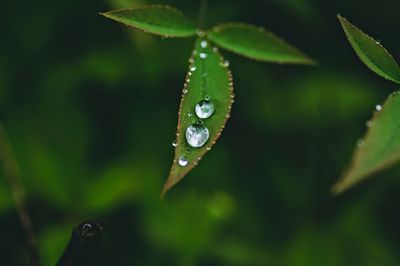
pixel 197 136
pixel 183 161
pixel 204 109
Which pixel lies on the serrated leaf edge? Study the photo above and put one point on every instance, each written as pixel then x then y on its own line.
pixel 169 184
pixel 307 60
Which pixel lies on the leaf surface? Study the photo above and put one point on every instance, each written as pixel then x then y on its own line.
pixel 208 78
pixel 256 43
pixel 379 149
pixel 371 52
pixel 161 20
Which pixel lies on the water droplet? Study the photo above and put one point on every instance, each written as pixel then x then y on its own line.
pixel 192 68
pixel 225 63
pixel 360 143
pixel 378 42
pixel 204 109
pixel 378 107
pixel 174 143
pixel 228 115
pixel 184 91
pixel 183 161
pixel 201 33
pixel 207 97
pixel 368 123
pixel 203 55
pixel 197 136
pixel 208 148
pixel 203 44
pixel 189 114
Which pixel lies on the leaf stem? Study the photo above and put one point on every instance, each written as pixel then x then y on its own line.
pixel 12 176
pixel 202 13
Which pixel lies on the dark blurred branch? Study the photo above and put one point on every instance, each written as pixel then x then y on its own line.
pixel 84 242
pixel 202 13
pixel 12 175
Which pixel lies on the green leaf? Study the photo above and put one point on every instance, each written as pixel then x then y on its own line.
pixel 380 147
pixel 371 52
pixel 256 43
pixel 208 78
pixel 161 20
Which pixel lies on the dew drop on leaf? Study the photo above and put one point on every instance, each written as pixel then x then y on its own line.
pixel 378 107
pixel 197 136
pixel 203 55
pixel 174 143
pixel 204 109
pixel 203 44
pixel 183 161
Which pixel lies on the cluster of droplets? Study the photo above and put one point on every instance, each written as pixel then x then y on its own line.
pixel 197 134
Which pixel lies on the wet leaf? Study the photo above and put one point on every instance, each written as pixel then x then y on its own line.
pixel 208 79
pixel 379 149
pixel 371 52
pixel 160 20
pixel 256 43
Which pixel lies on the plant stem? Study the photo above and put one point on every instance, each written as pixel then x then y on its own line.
pixel 12 176
pixel 202 13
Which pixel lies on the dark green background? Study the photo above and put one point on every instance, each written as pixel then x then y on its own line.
pixel 90 108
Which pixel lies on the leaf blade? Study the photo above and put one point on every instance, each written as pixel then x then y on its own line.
pixel 161 20
pixel 256 43
pixel 371 52
pixel 212 79
pixel 380 149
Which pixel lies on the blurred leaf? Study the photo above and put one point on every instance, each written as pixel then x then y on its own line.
pixel 117 185
pixel 52 243
pixel 208 77
pixel 161 20
pixel 380 147
pixel 371 52
pixel 256 43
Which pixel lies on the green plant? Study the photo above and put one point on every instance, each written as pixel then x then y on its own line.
pixel 207 95
pixel 380 147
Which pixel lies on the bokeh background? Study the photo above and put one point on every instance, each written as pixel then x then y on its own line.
pixel 90 108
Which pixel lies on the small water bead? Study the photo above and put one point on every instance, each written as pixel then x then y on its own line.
pixel 192 68
pixel 174 143
pixel 378 107
pixel 368 123
pixel 360 143
pixel 225 63
pixel 189 114
pixel 203 55
pixel 183 161
pixel 184 91
pixel 203 44
pixel 201 33
pixel 197 136
pixel 207 97
pixel 204 109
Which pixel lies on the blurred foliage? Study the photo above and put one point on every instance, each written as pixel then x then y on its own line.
pixel 90 108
